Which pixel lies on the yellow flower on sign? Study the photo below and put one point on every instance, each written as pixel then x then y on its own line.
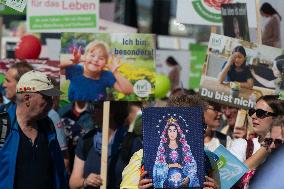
pixel 120 96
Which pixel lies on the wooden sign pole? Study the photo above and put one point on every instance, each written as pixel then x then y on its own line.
pixel 258 25
pixel 1 34
pixel 105 131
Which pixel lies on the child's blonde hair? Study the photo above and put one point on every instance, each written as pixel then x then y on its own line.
pixel 97 44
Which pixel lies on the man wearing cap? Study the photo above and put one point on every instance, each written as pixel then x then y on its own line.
pixel 31 156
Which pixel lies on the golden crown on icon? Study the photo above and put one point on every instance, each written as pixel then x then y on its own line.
pixel 171 120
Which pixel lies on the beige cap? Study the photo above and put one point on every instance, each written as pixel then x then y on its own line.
pixel 35 81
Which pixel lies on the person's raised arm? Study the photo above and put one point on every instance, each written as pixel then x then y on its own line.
pixel 256 159
pixel 223 74
pixel 122 84
pixel 64 63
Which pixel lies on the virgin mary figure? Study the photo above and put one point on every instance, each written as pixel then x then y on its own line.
pixel 175 165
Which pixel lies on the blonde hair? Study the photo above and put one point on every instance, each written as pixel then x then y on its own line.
pixel 97 44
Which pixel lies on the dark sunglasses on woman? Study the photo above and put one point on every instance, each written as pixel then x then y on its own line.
pixel 260 113
pixel 277 142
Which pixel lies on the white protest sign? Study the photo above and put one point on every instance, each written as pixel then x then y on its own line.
pixel 208 12
pixel 63 15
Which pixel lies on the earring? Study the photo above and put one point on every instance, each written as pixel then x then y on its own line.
pixel 28 104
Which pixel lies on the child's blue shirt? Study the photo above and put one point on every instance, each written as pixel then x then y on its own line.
pixel 86 89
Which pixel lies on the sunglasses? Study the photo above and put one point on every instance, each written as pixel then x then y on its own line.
pixel 260 113
pixel 277 142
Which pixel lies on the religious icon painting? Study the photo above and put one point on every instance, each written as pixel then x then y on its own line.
pixel 173 146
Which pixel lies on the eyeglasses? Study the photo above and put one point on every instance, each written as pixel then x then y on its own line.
pixel 277 142
pixel 260 113
pixel 217 110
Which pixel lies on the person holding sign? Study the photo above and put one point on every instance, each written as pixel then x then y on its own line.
pixel 134 175
pixel 89 82
pixel 271 31
pixel 265 112
pixel 236 70
pixel 86 171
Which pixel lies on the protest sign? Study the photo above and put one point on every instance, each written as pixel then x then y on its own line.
pixel 226 166
pixel 174 146
pixel 208 12
pixel 117 66
pixel 238 72
pixel 63 16
pixel 235 22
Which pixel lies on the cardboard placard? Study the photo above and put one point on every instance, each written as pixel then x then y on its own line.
pixel 235 22
pixel 258 65
pixel 126 71
pixel 208 12
pixel 226 166
pixel 174 146
pixel 63 16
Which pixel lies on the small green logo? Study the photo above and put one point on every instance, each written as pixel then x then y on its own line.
pixel 221 162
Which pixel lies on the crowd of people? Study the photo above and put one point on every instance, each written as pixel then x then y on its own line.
pixel 33 157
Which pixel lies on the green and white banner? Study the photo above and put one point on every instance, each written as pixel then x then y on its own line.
pixel 63 15
pixel 18 5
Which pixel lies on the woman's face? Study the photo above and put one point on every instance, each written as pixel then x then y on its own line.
pixel 172 132
pixel 236 29
pixel 95 59
pixel 275 71
pixel 261 126
pixel 212 118
pixel 239 59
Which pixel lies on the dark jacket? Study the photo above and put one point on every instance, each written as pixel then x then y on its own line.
pixel 8 154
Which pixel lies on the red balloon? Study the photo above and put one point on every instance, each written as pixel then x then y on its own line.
pixel 28 47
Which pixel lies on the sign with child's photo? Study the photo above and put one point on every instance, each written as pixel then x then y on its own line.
pixel 173 146
pixel 238 72
pixel 235 22
pixel 102 66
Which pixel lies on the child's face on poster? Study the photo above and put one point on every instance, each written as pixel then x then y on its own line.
pixel 95 60
pixel 239 59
